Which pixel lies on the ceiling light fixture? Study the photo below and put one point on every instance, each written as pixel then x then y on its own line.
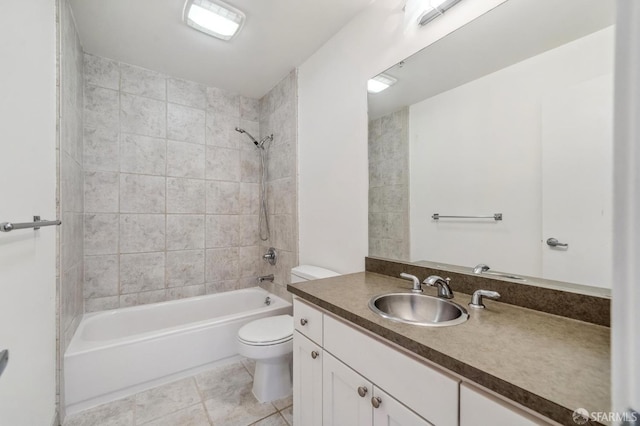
pixel 380 82
pixel 213 17
pixel 427 10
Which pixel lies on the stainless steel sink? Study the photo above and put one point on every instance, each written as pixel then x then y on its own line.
pixel 418 309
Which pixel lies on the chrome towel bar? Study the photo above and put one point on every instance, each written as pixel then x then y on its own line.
pixel 36 224
pixel 496 216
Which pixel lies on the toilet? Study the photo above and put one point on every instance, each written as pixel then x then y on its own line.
pixel 269 342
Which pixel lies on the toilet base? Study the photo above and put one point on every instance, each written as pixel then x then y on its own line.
pixel 272 379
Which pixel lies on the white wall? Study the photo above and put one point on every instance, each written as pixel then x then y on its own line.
pixel 626 279
pixel 28 176
pixel 477 150
pixel 332 125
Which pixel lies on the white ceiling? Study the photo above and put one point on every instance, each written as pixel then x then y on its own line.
pixel 278 35
pixel 510 33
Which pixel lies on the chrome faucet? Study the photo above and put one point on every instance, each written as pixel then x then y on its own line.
pixel 476 299
pixel 480 268
pixel 417 287
pixel 484 269
pixel 265 278
pixel 444 290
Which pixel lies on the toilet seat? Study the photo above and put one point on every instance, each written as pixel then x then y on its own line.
pixel 267 331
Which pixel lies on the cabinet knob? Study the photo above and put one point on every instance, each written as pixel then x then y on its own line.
pixel 314 354
pixel 362 391
pixel 376 401
pixel 303 321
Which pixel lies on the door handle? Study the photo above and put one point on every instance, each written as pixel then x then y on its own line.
pixel 553 242
pixel 4 359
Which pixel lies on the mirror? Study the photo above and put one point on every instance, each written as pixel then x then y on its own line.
pixel 511 114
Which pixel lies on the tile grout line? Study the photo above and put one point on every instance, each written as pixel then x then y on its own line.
pixel 166 182
pixel 200 393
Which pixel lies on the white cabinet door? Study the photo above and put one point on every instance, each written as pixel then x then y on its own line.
pixel 391 413
pixel 307 381
pixel 346 395
pixel 480 408
pixel 428 391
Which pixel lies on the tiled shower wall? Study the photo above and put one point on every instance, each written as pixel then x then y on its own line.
pixel 70 199
pixel 278 116
pixel 171 190
pixel 389 186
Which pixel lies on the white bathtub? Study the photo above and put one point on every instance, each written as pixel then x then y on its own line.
pixel 120 352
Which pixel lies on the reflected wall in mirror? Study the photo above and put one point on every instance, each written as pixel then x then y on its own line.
pixel 510 114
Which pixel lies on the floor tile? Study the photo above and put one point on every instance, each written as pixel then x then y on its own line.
pixel 222 379
pixel 166 399
pixel 116 413
pixel 274 420
pixel 191 416
pixel 236 407
pixel 287 413
pixel 283 403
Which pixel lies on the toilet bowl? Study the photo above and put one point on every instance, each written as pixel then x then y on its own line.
pixel 269 341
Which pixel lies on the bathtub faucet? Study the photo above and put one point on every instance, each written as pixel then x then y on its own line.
pixel 265 278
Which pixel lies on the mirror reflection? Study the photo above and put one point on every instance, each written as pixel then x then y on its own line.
pixel 511 115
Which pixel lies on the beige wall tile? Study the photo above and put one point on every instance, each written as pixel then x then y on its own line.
pixel 142 272
pixel 185 124
pixel 142 82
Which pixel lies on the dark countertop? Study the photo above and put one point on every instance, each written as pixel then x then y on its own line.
pixel 550 364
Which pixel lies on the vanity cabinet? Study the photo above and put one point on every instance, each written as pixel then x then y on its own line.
pixel 352 379
pixel 391 412
pixel 307 381
pixel 346 395
pixel 346 376
pixel 350 399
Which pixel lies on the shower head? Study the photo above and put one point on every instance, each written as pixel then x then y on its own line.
pixel 258 144
pixel 239 130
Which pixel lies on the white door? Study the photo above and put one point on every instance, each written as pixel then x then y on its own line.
pixel 307 381
pixel 389 412
pixel 28 181
pixel 346 395
pixel 577 184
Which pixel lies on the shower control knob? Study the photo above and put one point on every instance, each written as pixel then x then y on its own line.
pixel 376 401
pixel 314 354
pixel 271 256
pixel 303 321
pixel 362 391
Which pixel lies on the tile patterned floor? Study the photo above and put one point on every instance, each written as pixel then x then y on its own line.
pixel 221 397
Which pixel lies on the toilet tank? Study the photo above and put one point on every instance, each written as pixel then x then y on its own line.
pixel 309 272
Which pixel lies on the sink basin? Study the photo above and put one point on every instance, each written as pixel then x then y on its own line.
pixel 418 309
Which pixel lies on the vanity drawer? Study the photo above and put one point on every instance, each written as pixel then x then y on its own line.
pixel 429 392
pixel 307 320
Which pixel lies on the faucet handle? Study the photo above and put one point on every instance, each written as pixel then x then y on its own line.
pixel 476 299
pixel 480 268
pixel 417 287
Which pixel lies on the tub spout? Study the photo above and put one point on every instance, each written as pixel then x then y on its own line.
pixel 265 278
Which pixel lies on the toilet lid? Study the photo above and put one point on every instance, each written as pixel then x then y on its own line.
pixel 267 331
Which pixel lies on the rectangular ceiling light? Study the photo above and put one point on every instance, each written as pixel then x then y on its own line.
pixel 434 8
pixel 380 82
pixel 213 17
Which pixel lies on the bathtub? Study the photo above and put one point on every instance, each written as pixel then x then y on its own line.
pixel 123 351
